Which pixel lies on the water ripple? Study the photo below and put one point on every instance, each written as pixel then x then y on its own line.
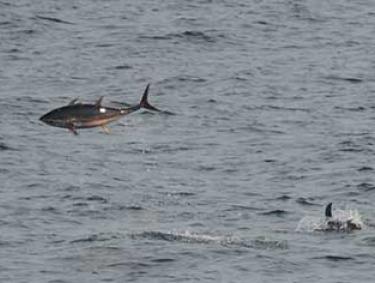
pixel 276 212
pixel 54 20
pixel 335 258
pixel 366 187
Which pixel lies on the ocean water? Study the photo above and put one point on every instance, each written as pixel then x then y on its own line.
pixel 275 113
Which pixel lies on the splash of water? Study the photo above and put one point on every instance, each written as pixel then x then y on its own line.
pixel 342 221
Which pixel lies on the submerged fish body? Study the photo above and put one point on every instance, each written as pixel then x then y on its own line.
pixel 333 221
pixel 341 221
pixel 79 116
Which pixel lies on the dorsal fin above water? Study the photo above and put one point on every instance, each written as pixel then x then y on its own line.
pixel 329 210
pixel 74 101
pixel 98 103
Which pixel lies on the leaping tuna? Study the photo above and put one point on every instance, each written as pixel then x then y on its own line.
pixel 78 115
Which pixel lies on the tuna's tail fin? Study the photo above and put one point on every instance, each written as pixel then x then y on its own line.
pixel 144 101
pixel 329 210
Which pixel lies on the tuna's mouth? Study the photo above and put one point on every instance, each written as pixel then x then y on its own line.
pixel 45 119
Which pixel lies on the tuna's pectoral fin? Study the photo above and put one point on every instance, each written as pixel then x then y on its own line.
pixel 73 130
pixel 106 129
pixel 98 103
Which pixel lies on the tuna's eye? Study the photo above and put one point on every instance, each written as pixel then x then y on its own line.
pixel 102 110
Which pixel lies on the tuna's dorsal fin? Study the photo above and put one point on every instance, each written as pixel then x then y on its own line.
pixel 329 210
pixel 74 101
pixel 98 103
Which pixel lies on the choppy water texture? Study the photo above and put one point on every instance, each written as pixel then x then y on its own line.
pixel 275 119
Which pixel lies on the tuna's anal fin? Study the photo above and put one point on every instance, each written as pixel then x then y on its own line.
pixel 106 129
pixel 73 130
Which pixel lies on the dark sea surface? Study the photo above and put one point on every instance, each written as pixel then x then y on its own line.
pixel 275 118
